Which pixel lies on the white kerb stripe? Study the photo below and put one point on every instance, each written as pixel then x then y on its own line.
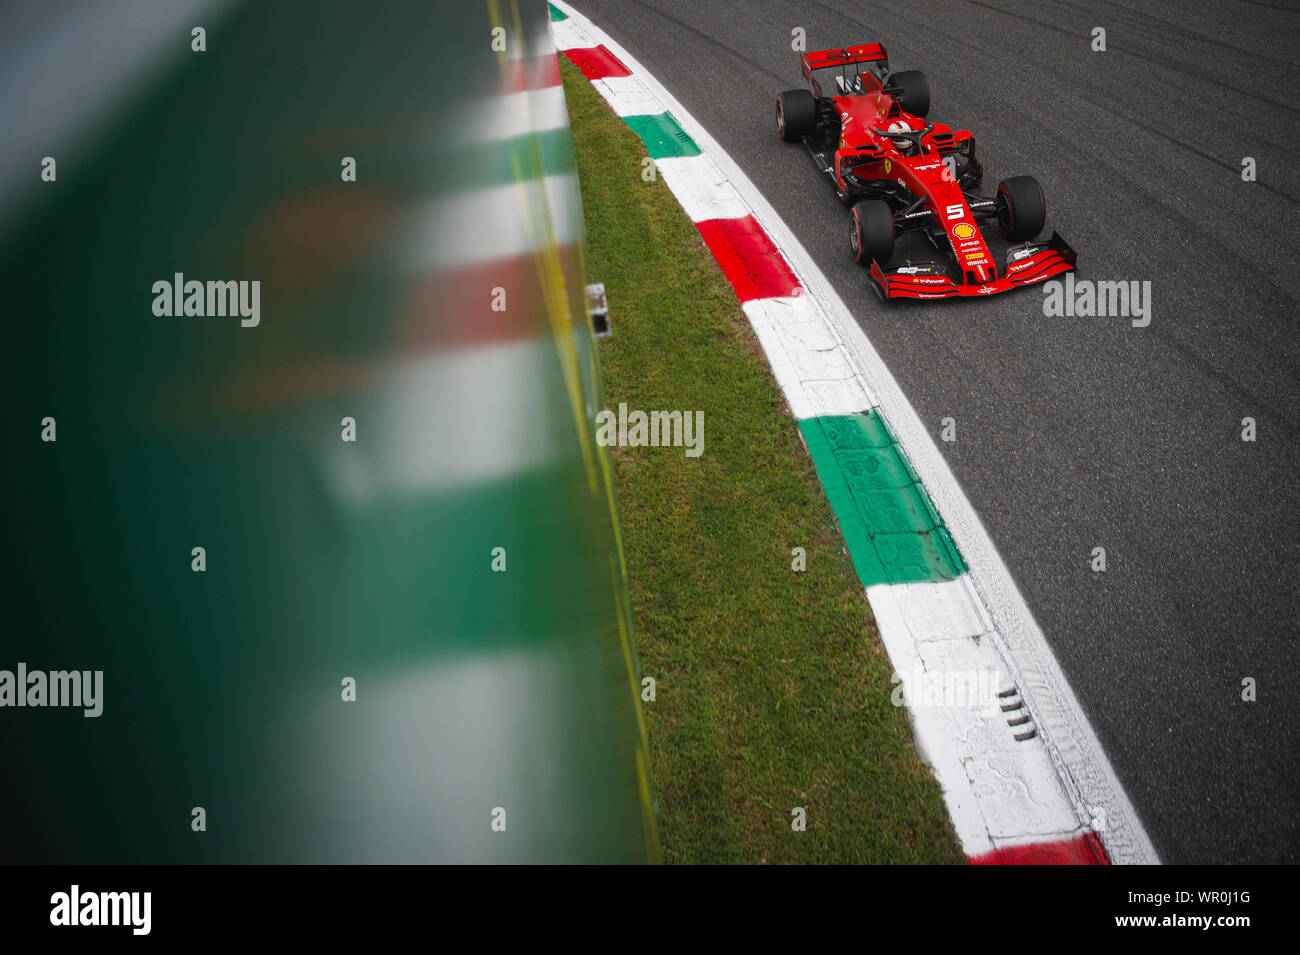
pixel 570 35
pixel 701 188
pixel 627 96
pixel 808 363
pixel 929 610
pixel 999 790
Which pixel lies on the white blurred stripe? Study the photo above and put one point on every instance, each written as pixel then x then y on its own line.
pixel 471 741
pixel 494 119
pixel 494 223
pixel 453 419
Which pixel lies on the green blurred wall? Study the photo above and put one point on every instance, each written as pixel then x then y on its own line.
pixel 325 559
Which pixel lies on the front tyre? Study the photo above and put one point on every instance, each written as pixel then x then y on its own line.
pixel 796 114
pixel 1021 208
pixel 871 232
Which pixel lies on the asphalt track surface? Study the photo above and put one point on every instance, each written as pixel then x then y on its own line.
pixel 1075 433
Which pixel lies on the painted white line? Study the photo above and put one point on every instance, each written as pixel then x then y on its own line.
pixel 1070 748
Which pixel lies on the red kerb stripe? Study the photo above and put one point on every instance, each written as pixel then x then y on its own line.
pixel 748 258
pixel 1081 850
pixel 597 63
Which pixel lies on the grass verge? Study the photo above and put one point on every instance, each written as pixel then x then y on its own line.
pixel 773 689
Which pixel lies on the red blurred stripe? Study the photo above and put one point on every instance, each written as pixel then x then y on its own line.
pixel 536 72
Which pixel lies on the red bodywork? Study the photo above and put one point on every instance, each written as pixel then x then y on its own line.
pixel 869 156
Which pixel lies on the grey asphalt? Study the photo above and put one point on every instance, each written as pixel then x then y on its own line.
pixel 1076 433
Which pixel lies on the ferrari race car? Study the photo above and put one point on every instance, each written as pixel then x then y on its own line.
pixel 909 183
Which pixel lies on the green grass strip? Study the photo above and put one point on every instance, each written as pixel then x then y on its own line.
pixel 772 686
pixel 892 529
pixel 662 136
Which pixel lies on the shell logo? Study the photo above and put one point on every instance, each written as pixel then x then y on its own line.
pixel 963 230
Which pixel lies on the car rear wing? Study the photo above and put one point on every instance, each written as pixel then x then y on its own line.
pixel 853 56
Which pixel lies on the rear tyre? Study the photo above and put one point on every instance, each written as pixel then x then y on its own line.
pixel 1021 208
pixel 871 232
pixel 913 91
pixel 796 114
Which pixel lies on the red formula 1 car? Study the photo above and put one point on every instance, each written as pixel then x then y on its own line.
pixel 909 183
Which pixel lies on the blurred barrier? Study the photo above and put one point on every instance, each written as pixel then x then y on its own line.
pixel 389 479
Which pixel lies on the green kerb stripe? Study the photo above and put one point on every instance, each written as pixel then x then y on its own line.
pixel 892 529
pixel 556 13
pixel 662 136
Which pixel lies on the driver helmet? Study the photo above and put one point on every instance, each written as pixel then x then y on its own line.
pixel 902 145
